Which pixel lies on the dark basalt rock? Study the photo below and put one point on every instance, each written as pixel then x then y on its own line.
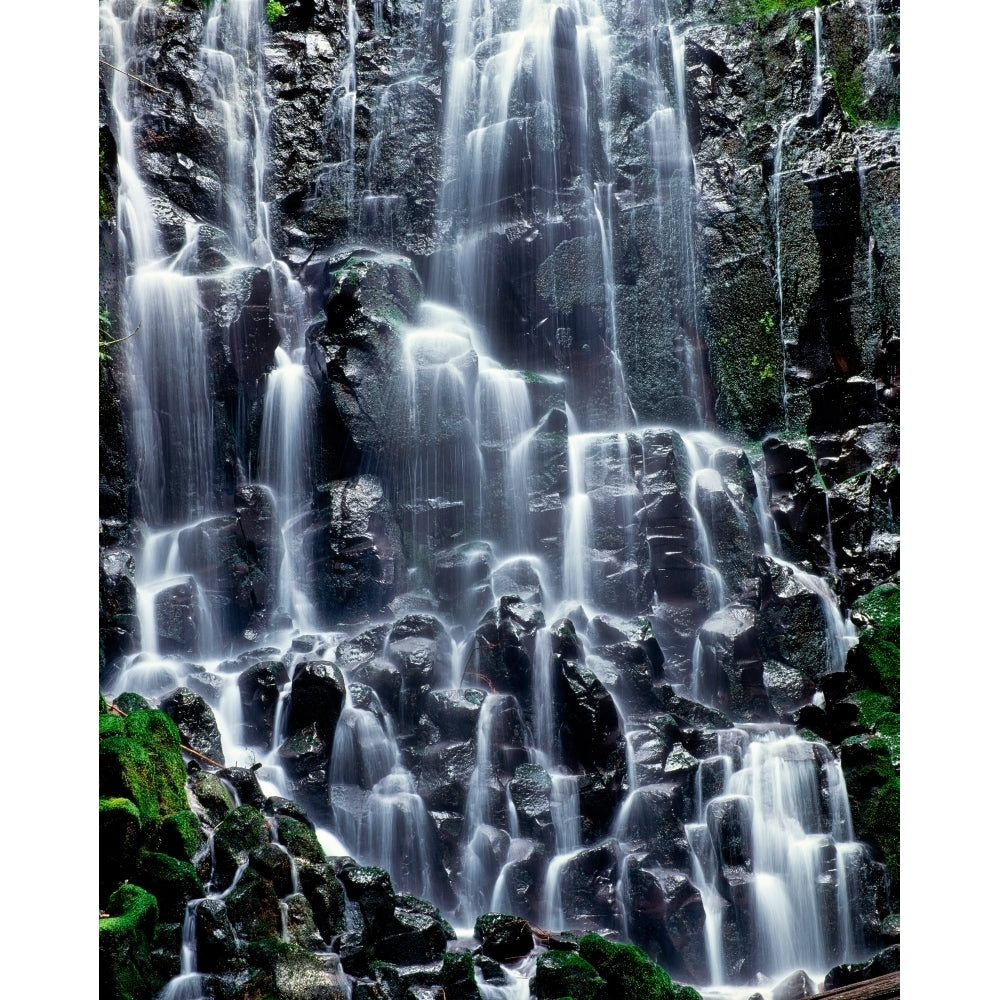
pixel 196 722
pixel 731 667
pixel 244 781
pixel 326 896
pixel 355 549
pixel 588 887
pixel 530 790
pixel 590 730
pixel 218 950
pixel 667 918
pixel 884 962
pixel 259 688
pixel 504 937
pixel 317 697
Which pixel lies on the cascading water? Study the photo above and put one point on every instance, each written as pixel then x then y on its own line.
pixel 593 545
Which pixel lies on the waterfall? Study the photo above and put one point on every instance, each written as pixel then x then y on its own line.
pixel 520 488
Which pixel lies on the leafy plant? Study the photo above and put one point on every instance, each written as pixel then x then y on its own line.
pixel 104 340
pixel 274 11
pixel 767 322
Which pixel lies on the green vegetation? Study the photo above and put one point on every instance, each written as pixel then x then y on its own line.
pixel 630 975
pixel 760 10
pixel 274 11
pixel 871 760
pixel 125 937
pixel 565 973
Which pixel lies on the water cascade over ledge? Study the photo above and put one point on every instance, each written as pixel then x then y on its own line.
pixel 444 518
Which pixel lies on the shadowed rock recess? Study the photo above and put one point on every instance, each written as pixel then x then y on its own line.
pixel 499 499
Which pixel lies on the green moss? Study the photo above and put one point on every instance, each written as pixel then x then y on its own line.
pixel 111 725
pixel 274 11
pixel 125 940
pixel 878 823
pixel 159 734
pixel 120 837
pixel 874 662
pixel 871 706
pixel 566 973
pixel 173 882
pixel 181 835
pixel 300 839
pixel 630 975
pixel 129 701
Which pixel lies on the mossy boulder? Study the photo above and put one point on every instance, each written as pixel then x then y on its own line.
pixel 290 972
pixel 630 975
pixel 871 772
pixel 212 796
pixel 568 974
pixel 254 908
pixel 144 764
pixel 458 976
pixel 173 882
pixel 371 888
pixel 326 896
pixel 300 839
pixel 873 663
pixel 242 830
pixel 125 939
pixel 181 835
pixel 110 725
pixel 120 839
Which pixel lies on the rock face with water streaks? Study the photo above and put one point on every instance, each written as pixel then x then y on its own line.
pixel 688 222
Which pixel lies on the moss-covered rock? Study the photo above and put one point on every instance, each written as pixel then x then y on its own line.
pixel 173 882
pixel 212 795
pixel 630 975
pixel 874 662
pixel 119 835
pixel 458 976
pixel 292 973
pixel 242 830
pixel 300 839
pixel 181 835
pixel 254 908
pixel 125 939
pixel 326 896
pixel 110 725
pixel 144 764
pixel 871 772
pixel 566 973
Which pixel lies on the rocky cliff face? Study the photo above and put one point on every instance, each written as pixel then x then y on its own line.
pixel 709 241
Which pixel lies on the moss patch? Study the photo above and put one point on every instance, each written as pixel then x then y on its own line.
pixel 125 939
pixel 630 975
pixel 566 973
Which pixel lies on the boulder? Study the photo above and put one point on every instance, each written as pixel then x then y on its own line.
pixel 503 936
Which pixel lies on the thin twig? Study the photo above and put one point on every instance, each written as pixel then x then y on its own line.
pixel 115 710
pixel 132 76
pixel 120 340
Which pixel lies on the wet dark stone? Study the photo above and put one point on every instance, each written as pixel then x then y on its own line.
pixel 504 936
pixel 259 687
pixel 318 693
pixel 244 781
pixel 196 722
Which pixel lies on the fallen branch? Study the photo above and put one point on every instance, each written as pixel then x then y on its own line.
pixel 132 76
pixel 120 340
pixel 201 756
pixel 115 710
